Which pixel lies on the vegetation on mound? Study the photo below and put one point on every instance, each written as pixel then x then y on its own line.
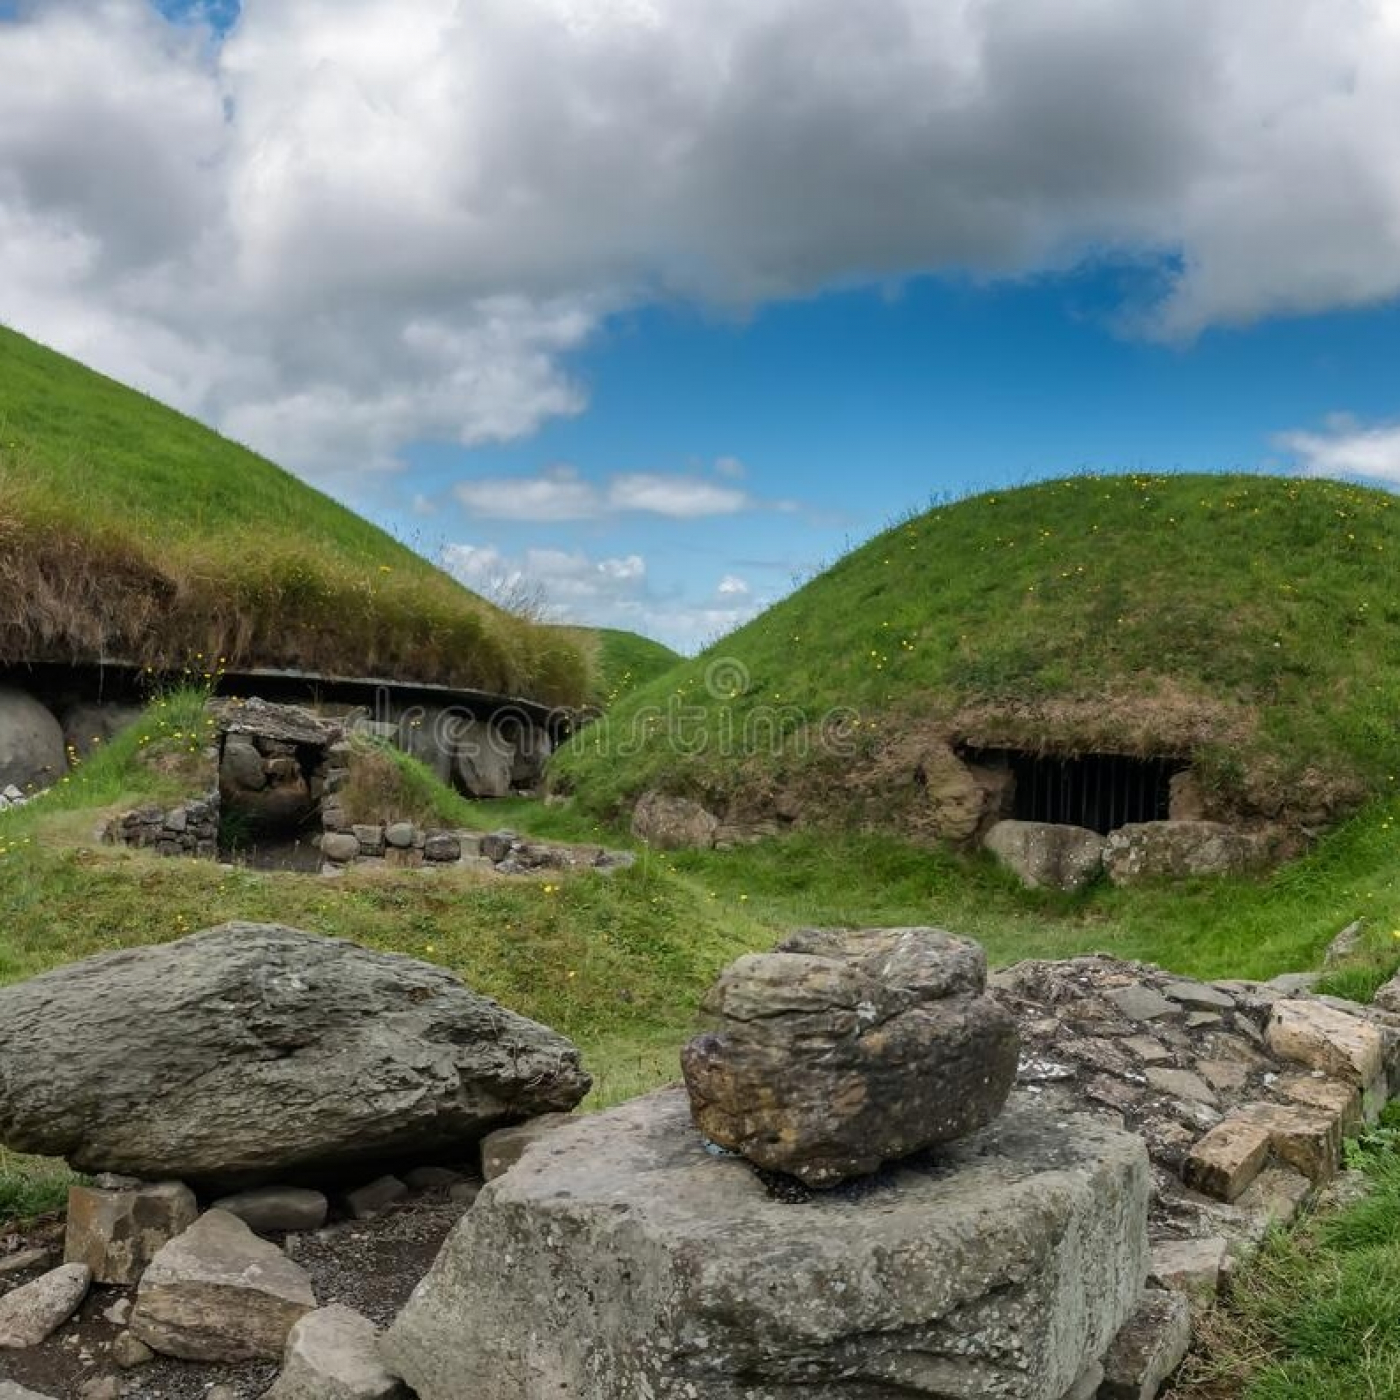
pixel 1251 623
pixel 129 531
pixel 624 661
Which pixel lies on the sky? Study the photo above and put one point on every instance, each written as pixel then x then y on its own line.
pixel 645 310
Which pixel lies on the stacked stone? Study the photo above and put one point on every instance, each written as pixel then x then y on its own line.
pixel 191 829
pixel 404 845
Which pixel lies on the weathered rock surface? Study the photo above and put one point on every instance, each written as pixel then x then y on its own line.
pixel 275 1210
pixel 1045 855
pixel 842 1051
pixel 1004 1266
pixel 10 1391
pixel 1149 1348
pixel 31 742
pixel 117 1230
pixel 501 1150
pixel 249 1051
pixel 34 1311
pixel 1145 851
pixel 219 1293
pixel 333 1354
pixel 673 823
pixel 483 758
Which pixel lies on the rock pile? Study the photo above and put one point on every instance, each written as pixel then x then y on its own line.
pixel 953 1252
pixel 841 1051
pixel 404 845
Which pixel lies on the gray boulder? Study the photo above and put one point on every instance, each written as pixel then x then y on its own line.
pixel 1144 851
pixel 251 1051
pixel 673 823
pixel 483 758
pixel 1047 856
pixel 86 727
pixel 332 1354
pixel 842 1051
pixel 219 1293
pixel 642 1264
pixel 31 742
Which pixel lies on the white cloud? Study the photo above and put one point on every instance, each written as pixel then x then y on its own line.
pixel 359 222
pixel 572 586
pixel 560 493
pixel 1347 448
pixel 732 586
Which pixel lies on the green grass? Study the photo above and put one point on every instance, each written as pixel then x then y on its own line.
pixel 128 530
pixel 1314 1316
pixel 626 661
pixel 1249 621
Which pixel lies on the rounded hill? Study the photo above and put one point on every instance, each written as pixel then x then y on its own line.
pixel 1244 629
pixel 131 533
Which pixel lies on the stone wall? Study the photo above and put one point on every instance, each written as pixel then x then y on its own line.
pixel 189 829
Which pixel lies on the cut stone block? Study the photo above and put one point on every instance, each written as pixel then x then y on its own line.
pixel 1227 1158
pixel 1306 1138
pixel 117 1232
pixel 643 1264
pixel 1325 1039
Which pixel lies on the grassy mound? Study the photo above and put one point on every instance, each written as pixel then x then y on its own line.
pixel 128 531
pixel 624 661
pixel 1249 623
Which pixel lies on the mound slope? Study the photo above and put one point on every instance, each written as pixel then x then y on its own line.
pixel 130 532
pixel 1247 627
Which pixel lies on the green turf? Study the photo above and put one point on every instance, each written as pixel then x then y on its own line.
pixel 1252 621
pixel 128 530
pixel 626 661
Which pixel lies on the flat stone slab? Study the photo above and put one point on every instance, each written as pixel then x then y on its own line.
pixel 632 1261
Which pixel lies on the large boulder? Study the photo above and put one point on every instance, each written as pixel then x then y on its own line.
pixel 841 1051
pixel 1046 855
pixel 642 1264
pixel 1145 851
pixel 483 758
pixel 673 823
pixel 31 742
pixel 252 1051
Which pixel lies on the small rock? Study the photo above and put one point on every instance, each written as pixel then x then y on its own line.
pixel 35 1311
pixel 373 1199
pixel 442 848
pixel 1228 1158
pixel 332 1354
pixel 1346 943
pixel 1199 996
pixel 22 1261
pixel 119 1314
pixel 1338 1044
pixel 673 823
pixel 219 1293
pixel 399 835
pixel 501 1150
pixel 1139 1003
pixel 1193 1267
pixel 464 1193
pixel 116 1231
pixel 10 1391
pixel 130 1351
pixel 1149 1348
pixel 340 847
pixel 275 1210
pixel 371 839
pixel 1182 1084
pixel 101 1388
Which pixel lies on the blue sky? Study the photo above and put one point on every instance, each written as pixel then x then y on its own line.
pixel 647 308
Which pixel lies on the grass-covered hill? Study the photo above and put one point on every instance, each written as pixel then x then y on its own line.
pixel 624 661
pixel 1247 622
pixel 130 532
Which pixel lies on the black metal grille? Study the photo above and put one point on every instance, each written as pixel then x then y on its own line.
pixel 1101 791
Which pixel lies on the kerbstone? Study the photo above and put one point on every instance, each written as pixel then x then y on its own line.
pixel 639 1263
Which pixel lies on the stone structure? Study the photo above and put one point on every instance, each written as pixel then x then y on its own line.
pixel 644 1265
pixel 1177 850
pixel 251 1051
pixel 841 1051
pixel 274 761
pixel 190 829
pixel 1046 855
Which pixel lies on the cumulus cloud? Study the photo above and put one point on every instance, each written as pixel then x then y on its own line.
pixel 732 586
pixel 573 586
pixel 560 493
pixel 359 222
pixel 1347 448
